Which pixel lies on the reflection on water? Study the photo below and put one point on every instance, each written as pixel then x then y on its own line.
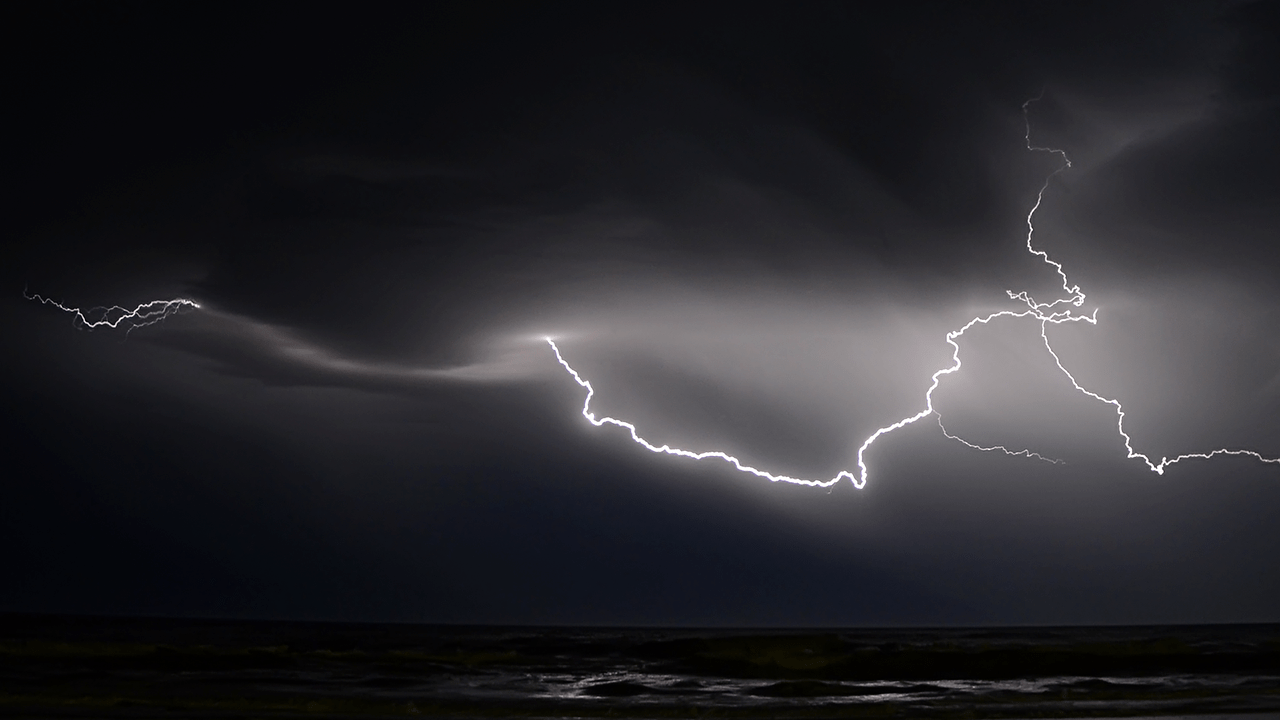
pixel 80 667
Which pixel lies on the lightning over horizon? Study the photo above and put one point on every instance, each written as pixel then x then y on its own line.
pixel 1044 312
pixel 735 319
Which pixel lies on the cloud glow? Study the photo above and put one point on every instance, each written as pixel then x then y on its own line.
pixel 1044 312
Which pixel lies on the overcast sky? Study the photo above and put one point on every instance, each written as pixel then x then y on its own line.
pixel 751 230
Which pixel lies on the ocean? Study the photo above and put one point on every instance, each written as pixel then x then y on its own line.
pixel 74 667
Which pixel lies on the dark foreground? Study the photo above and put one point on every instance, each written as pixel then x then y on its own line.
pixel 99 667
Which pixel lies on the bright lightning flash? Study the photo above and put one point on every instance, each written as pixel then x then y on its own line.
pixel 1055 312
pixel 1061 310
pixel 148 313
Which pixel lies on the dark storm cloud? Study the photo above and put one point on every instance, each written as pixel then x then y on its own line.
pixel 751 231
pixel 874 134
pixel 1207 184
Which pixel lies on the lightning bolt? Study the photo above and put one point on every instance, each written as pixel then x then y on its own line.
pixel 148 313
pixel 1046 313
pixel 993 448
pixel 1060 310
pixel 591 417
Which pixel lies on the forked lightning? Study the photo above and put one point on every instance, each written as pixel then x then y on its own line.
pixel 148 313
pixel 1046 312
pixel 1064 309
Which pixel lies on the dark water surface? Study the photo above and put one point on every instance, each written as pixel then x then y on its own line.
pixel 53 666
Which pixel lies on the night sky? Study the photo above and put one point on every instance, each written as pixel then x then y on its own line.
pixel 751 229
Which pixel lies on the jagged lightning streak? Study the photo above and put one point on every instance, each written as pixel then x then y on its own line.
pixel 148 313
pixel 1157 468
pixel 993 448
pixel 591 417
pixel 1045 312
pixel 1076 298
